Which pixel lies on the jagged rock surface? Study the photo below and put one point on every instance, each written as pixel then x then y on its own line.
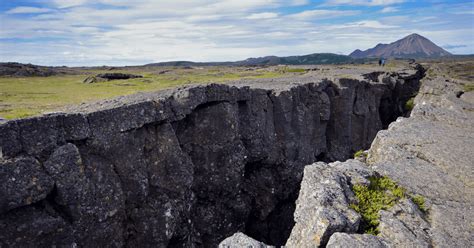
pixel 430 154
pixel 344 240
pixel 239 240
pixel 324 218
pixel 186 167
pixel 322 207
pixel 404 225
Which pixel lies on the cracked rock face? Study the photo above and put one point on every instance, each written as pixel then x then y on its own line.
pixel 192 166
pixel 324 218
pixel 429 154
pixel 322 207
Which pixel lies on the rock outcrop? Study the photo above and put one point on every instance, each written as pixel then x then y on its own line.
pixel 430 154
pixel 239 240
pixel 12 69
pixel 190 166
pixel 322 207
pixel 324 216
pixel 110 76
pixel 25 70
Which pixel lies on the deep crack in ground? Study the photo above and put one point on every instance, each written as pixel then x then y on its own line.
pixel 191 167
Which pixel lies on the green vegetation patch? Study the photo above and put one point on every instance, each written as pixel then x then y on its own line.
pixel 27 96
pixel 420 202
pixel 360 154
pixel 381 194
pixel 410 104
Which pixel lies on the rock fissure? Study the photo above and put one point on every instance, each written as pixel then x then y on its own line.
pixel 195 167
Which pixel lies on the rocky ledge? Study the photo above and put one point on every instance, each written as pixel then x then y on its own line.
pixel 192 166
pixel 430 155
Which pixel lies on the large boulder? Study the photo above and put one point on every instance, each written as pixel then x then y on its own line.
pixel 323 203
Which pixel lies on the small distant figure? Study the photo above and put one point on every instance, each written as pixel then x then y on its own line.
pixel 382 62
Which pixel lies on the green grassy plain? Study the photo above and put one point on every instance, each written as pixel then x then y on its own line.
pixel 28 96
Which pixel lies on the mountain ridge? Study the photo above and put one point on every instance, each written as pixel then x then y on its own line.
pixel 411 46
pixel 309 59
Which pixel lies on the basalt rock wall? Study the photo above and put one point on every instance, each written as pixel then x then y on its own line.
pixel 185 167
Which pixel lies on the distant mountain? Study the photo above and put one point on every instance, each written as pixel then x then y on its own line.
pixel 310 59
pixel 412 46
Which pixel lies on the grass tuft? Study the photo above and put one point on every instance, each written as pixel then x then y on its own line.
pixel 360 154
pixel 420 202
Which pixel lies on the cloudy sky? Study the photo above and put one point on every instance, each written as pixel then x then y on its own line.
pixel 125 32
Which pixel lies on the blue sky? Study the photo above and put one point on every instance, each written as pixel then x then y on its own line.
pixel 126 32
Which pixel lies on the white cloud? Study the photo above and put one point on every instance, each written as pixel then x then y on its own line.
pixel 28 10
pixel 364 2
pixel 389 10
pixel 263 15
pixel 145 31
pixel 68 3
pixel 322 14
pixel 366 24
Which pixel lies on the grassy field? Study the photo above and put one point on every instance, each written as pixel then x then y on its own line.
pixel 28 96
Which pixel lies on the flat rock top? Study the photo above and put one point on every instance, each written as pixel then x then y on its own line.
pixel 314 75
pixel 432 154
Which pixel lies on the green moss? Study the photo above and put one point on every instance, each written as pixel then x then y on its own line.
pixel 420 202
pixel 381 194
pixel 410 104
pixel 360 153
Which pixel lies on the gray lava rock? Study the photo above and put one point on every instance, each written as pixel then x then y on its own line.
pixel 403 226
pixel 190 166
pixel 239 240
pixel 322 207
pixel 343 240
pixel 26 70
pixel 431 154
pixel 35 227
pixel 323 212
pixel 110 76
pixel 23 182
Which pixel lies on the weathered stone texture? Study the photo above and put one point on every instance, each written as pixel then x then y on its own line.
pixel 183 167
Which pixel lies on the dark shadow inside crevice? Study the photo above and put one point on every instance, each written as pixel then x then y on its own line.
pixel 276 228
